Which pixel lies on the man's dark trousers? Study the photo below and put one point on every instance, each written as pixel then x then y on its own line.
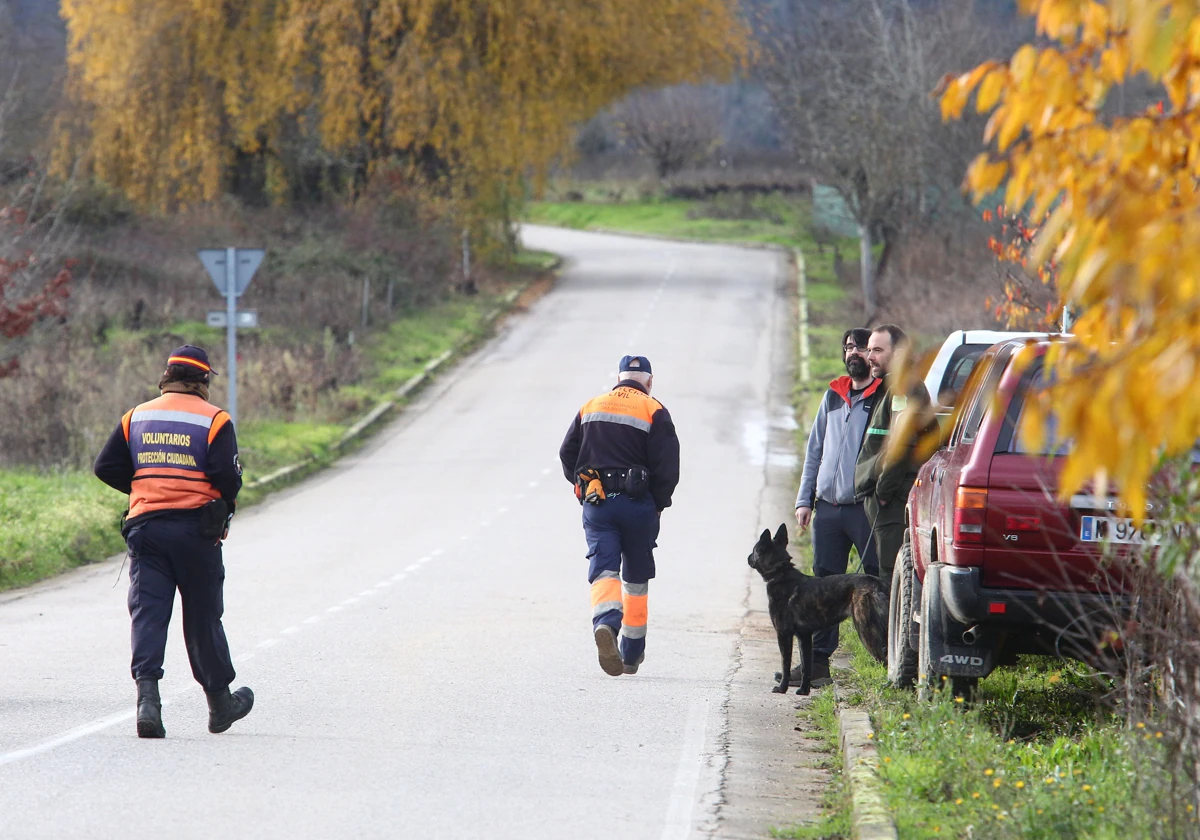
pixel 621 534
pixel 888 535
pixel 835 528
pixel 166 553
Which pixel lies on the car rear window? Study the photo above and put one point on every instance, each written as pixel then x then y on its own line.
pixel 989 369
pixel 1022 442
pixel 958 371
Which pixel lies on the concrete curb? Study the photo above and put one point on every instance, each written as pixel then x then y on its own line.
pixel 368 421
pixel 870 816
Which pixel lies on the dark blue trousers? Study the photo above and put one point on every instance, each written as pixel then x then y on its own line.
pixel 620 536
pixel 165 554
pixel 835 529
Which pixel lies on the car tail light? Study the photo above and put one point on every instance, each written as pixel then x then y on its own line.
pixel 970 512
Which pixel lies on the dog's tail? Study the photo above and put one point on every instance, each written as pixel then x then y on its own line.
pixel 869 609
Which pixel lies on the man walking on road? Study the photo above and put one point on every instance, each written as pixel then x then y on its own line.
pixel 622 455
pixel 887 463
pixel 826 498
pixel 176 456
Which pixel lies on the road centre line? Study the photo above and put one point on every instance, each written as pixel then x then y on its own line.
pixel 366 592
pixel 243 657
pixel 399 576
pixel 382 584
pixel 68 736
pixel 349 601
pixel 333 609
pixel 412 567
pixel 436 552
pixel 92 727
pixel 312 619
pixel 266 643
pixel 287 631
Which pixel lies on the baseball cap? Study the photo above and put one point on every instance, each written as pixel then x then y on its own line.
pixel 634 363
pixel 192 356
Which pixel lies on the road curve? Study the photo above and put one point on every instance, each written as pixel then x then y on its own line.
pixel 415 620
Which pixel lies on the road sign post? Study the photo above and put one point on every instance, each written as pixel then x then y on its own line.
pixel 232 270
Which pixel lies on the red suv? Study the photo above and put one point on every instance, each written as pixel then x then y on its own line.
pixel 992 566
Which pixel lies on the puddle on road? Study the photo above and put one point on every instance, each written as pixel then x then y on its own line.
pixel 768 441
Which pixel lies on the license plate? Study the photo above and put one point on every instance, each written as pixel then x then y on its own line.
pixel 1113 529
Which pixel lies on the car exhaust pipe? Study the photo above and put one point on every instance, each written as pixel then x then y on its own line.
pixel 970 635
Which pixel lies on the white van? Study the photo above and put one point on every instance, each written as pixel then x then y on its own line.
pixel 956 359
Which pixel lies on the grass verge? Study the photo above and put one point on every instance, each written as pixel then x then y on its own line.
pixel 52 521
pixel 1036 756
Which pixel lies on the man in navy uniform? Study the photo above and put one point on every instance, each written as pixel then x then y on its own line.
pixel 622 455
pixel 176 456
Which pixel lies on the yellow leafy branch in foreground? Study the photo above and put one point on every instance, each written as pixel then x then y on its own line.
pixel 1124 223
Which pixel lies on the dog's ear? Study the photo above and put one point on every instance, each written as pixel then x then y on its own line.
pixel 781 536
pixel 765 536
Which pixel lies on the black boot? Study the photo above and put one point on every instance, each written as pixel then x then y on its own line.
pixel 225 707
pixel 149 710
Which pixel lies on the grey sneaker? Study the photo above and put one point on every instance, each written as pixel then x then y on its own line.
pixel 820 675
pixel 606 648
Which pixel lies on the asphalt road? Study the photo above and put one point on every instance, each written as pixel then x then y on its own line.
pixel 415 620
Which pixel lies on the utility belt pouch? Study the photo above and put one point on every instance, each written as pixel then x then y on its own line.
pixel 637 482
pixel 589 487
pixel 212 519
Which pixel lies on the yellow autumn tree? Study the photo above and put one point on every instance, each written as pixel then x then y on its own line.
pixel 170 92
pixel 1124 220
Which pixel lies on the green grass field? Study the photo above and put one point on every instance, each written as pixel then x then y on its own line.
pixel 774 219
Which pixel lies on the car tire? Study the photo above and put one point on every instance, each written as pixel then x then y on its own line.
pixel 902 659
pixel 926 676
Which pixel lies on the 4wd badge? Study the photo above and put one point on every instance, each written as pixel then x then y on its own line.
pixel 958 659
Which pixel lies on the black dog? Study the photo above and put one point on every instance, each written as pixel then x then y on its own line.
pixel 800 605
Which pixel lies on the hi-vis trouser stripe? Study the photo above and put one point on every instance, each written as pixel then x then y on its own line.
pixel 606 594
pixel 636 613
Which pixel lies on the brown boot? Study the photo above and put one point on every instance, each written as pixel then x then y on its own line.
pixel 606 650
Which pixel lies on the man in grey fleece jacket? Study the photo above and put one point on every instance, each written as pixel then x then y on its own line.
pixel 827 483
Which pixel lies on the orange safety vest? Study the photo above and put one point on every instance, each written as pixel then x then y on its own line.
pixel 624 406
pixel 168 440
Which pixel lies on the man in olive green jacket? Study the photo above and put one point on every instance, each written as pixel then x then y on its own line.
pixel 883 477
